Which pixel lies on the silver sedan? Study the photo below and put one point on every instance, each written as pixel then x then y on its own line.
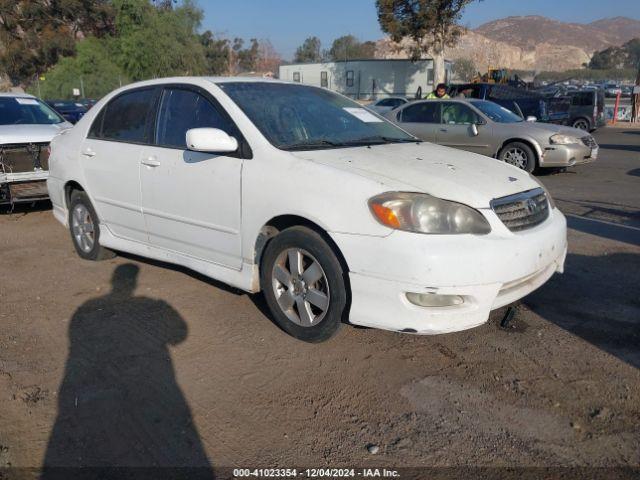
pixel 487 128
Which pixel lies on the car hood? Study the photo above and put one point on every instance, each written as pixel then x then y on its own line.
pixel 543 131
pixel 30 133
pixel 443 172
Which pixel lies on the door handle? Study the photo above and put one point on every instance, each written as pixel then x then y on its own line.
pixel 87 152
pixel 150 162
pixel 443 130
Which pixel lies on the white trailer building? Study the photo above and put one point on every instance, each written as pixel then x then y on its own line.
pixel 367 79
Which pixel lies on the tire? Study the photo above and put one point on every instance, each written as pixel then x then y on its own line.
pixel 308 300
pixel 582 124
pixel 519 155
pixel 84 227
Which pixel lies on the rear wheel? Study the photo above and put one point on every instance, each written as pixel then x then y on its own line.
pixel 582 124
pixel 85 228
pixel 303 283
pixel 519 155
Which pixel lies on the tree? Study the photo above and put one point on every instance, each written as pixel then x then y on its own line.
pixel 36 33
pixel 217 53
pixel 349 47
pixel 464 69
pixel 268 58
pixel 626 56
pixel 309 51
pixel 431 24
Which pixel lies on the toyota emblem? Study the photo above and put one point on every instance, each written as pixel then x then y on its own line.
pixel 531 206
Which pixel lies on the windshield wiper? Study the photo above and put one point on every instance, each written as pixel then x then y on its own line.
pixel 311 145
pixel 380 140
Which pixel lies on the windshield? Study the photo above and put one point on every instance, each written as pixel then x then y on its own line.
pixel 299 117
pixel 496 113
pixel 26 111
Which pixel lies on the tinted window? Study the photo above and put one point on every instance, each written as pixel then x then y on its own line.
pixel 458 114
pixel 128 117
pixel 182 110
pixel 428 112
pixel 495 112
pixel 582 99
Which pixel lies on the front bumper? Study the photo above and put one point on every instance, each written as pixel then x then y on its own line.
pixel 567 155
pixel 487 271
pixel 23 187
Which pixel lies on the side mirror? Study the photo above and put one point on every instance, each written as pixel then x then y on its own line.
pixel 210 140
pixel 531 119
pixel 474 130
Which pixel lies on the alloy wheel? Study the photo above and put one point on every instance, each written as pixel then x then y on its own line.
pixel 300 286
pixel 581 124
pixel 83 228
pixel 516 157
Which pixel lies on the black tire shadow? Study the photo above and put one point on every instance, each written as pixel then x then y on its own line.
pixel 121 412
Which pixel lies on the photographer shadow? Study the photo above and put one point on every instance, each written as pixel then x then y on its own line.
pixel 119 404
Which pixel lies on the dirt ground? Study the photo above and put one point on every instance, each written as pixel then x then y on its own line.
pixel 131 362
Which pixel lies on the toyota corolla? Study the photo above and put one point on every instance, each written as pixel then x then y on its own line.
pixel 334 213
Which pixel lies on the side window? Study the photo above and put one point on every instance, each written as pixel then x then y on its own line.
pixel 182 110
pixel 324 79
pixel 96 127
pixel 458 114
pixel 129 117
pixel 296 77
pixel 427 112
pixel 349 78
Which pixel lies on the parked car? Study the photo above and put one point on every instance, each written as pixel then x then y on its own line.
pixel 296 191
pixel 387 104
pixel 27 125
pixel 587 109
pixel 487 128
pixel 612 90
pixel 525 103
pixel 72 111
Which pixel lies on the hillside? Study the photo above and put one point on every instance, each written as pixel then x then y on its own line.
pixel 532 43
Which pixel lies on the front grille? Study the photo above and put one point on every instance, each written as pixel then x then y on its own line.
pixel 589 141
pixel 24 157
pixel 523 210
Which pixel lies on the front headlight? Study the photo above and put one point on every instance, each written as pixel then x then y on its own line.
pixel 562 139
pixel 422 213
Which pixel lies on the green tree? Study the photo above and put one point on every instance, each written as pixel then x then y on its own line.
pixel 309 52
pixel 216 52
pixel 431 24
pixel 349 47
pixel 465 69
pixel 90 71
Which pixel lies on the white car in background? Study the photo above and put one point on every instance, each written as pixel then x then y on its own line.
pixel 298 192
pixel 27 125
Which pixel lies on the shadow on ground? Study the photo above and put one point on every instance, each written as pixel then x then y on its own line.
pixel 596 299
pixel 628 148
pixel 119 404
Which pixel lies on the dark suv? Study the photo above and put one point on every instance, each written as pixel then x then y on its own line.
pixel 525 103
pixel 587 109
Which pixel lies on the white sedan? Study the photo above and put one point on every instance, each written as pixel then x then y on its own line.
pixel 334 213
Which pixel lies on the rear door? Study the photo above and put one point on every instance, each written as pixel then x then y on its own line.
pixel 457 129
pixel 111 161
pixel 422 119
pixel 191 200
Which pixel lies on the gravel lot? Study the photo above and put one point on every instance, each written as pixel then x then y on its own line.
pixel 173 369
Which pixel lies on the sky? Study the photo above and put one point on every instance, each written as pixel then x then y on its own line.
pixel 286 23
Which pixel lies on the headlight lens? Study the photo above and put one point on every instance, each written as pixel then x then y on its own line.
pixel 422 213
pixel 562 139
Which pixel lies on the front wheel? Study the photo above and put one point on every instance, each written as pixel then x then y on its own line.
pixel 304 284
pixel 519 155
pixel 582 124
pixel 85 228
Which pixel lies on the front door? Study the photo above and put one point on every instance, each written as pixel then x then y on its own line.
pixel 111 160
pixel 458 129
pixel 191 200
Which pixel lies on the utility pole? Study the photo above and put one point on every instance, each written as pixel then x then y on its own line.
pixel 82 87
